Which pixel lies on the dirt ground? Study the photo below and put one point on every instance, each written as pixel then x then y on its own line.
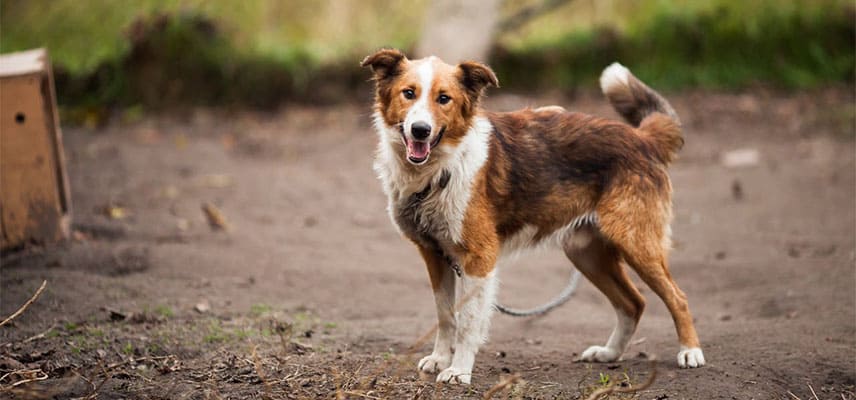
pixel 310 293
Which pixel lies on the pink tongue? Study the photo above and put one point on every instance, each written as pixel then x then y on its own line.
pixel 417 149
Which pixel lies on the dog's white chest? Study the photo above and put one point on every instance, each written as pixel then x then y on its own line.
pixel 433 202
pixel 434 214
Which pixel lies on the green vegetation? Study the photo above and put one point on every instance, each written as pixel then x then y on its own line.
pixel 155 54
pixel 216 333
pixel 257 310
pixel 164 311
pixel 723 44
pixel 603 379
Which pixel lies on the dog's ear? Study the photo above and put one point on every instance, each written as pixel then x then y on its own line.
pixel 476 76
pixel 385 63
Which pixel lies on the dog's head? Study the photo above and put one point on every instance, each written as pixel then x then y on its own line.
pixel 426 101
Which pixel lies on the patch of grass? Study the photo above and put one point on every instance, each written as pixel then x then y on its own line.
pixel 154 348
pixel 329 327
pixel 216 333
pixel 164 311
pixel 70 326
pixel 257 310
pixel 95 332
pixel 242 334
pixel 603 379
pixel 80 342
pixel 128 349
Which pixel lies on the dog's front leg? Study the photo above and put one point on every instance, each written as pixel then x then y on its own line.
pixel 478 291
pixel 443 284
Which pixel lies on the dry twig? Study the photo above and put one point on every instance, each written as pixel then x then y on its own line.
pixel 31 375
pixel 260 372
pixel 508 381
pixel 363 395
pixel 613 389
pixel 813 393
pixel 27 304
pixel 138 359
pixel 39 336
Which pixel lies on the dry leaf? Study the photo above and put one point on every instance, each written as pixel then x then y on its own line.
pixel 116 212
pixel 215 217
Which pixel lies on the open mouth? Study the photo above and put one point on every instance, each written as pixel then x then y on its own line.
pixel 419 150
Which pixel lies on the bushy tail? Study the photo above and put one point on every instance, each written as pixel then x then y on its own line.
pixel 644 108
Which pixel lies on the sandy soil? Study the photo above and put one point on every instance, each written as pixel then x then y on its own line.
pixel 312 294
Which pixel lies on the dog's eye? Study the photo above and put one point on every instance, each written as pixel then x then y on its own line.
pixel 443 99
pixel 409 94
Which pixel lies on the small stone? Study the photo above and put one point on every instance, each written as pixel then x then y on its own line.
pixel 741 158
pixel 202 307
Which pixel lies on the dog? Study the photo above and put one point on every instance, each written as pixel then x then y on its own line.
pixel 468 186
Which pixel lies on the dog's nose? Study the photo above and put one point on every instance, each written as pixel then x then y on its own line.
pixel 420 130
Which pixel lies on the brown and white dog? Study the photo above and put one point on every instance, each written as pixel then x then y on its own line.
pixel 468 186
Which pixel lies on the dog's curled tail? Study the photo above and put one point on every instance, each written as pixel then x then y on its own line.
pixel 643 108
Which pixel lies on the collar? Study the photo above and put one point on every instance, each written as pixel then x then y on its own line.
pixel 445 176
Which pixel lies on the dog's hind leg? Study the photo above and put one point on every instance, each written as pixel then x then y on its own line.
pixel 443 284
pixel 640 231
pixel 599 261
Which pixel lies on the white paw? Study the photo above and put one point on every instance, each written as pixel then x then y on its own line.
pixel 454 375
pixel 435 363
pixel 600 354
pixel 691 357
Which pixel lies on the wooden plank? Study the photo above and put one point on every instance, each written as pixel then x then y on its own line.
pixel 23 63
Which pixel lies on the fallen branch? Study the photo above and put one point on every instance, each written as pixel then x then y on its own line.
pixel 27 304
pixel 613 389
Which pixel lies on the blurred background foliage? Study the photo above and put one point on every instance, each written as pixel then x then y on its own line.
pixel 156 54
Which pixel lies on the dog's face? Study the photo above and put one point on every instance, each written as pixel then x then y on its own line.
pixel 426 101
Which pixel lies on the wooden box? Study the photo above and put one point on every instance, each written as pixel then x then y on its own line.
pixel 34 196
